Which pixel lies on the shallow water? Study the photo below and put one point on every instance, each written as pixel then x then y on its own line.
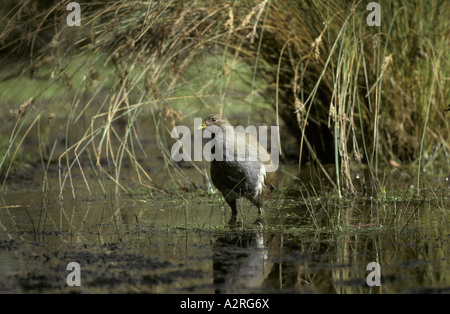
pixel 180 242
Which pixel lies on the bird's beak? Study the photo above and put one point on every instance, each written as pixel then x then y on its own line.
pixel 202 126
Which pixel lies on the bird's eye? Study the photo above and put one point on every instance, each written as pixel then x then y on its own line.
pixel 214 119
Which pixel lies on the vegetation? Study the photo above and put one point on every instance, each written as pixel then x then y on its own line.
pixel 351 94
pixel 86 112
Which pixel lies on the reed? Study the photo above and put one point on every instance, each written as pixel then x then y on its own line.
pixel 349 93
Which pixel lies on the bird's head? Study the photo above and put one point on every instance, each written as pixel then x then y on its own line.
pixel 215 120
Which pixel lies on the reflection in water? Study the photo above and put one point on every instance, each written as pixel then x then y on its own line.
pixel 308 261
pixel 240 261
pixel 179 244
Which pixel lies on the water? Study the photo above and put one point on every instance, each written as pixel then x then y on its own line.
pixel 180 242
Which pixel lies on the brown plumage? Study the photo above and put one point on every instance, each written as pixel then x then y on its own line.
pixel 246 169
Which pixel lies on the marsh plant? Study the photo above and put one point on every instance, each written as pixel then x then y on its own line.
pixel 359 96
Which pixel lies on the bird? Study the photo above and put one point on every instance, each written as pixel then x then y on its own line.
pixel 236 174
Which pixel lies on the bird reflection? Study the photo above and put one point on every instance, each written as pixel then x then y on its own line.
pixel 240 261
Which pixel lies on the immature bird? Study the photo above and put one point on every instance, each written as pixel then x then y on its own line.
pixel 245 169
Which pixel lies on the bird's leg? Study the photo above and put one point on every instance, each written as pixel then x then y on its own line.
pixel 260 211
pixel 232 203
pixel 258 202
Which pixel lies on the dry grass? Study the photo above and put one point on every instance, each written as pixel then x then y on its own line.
pixel 350 94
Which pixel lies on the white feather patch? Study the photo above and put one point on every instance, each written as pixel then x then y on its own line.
pixel 260 183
